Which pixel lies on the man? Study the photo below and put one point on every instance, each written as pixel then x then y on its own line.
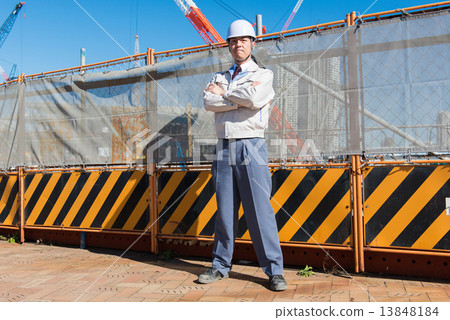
pixel 240 99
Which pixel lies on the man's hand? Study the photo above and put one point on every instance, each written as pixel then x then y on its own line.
pixel 216 89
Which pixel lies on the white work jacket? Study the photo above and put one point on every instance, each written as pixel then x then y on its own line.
pixel 243 110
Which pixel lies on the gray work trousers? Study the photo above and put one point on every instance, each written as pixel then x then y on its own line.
pixel 240 173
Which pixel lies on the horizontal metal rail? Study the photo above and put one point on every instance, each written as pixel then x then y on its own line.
pixel 239 241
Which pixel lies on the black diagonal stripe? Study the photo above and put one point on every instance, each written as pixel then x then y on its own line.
pixel 209 229
pixel 197 207
pixel 28 179
pixel 3 182
pixel 52 198
pixel 131 204
pixel 16 218
pixel 298 196
pixel 163 178
pixel 423 220
pixel 373 180
pixel 143 220
pixel 175 199
pixel 278 178
pixel 81 181
pixel 10 202
pixel 36 194
pixel 324 208
pixel 342 232
pixel 242 227
pixel 111 199
pixel 444 243
pixel 395 201
pixel 87 204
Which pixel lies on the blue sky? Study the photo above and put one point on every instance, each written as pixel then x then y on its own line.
pixel 48 34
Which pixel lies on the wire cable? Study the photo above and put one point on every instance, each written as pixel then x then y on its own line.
pixel 283 16
pixel 231 10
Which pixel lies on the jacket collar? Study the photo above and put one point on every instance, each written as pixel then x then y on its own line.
pixel 250 66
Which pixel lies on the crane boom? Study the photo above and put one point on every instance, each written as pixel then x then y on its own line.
pixel 199 21
pixel 8 24
pixel 4 32
pixel 291 16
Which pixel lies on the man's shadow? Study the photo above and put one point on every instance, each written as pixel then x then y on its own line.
pixel 195 266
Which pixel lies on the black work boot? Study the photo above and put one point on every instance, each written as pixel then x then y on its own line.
pixel 277 283
pixel 211 275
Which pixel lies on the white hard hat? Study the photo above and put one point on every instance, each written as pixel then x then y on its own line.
pixel 240 28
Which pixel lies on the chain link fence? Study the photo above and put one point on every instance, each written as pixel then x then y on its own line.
pixel 374 88
pixel 404 80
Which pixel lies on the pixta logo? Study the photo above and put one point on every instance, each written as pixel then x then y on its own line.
pixel 146 148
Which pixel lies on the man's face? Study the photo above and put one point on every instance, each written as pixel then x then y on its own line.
pixel 240 48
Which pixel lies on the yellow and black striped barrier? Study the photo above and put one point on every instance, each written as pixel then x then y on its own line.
pixel 312 206
pixel 100 200
pixel 405 206
pixel 9 204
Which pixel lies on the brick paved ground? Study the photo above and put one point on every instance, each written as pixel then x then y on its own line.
pixel 31 272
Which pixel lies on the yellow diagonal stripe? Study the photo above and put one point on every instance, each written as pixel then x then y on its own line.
pixel 412 207
pixel 122 199
pixel 348 241
pixel 169 189
pixel 142 205
pixel 43 199
pixel 8 188
pixel 31 188
pixel 434 233
pixel 62 199
pixel 6 194
pixel 90 182
pixel 12 214
pixel 186 203
pixel 287 188
pixel 101 198
pixel 334 219
pixel 309 204
pixel 384 191
pixel 203 218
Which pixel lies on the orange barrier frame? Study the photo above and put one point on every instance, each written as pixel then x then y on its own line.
pixel 361 252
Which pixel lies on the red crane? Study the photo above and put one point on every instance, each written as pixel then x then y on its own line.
pixel 199 21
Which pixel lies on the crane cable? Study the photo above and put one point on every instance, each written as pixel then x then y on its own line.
pixel 231 10
pixel 283 16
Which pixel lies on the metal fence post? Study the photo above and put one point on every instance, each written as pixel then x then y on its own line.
pixel 153 180
pixel 358 214
pixel 355 143
pixel 21 204
pixel 21 175
pixel 153 208
pixel 150 56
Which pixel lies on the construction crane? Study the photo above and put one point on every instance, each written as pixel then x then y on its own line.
pixel 199 21
pixel 7 26
pixel 291 16
pixel 6 29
